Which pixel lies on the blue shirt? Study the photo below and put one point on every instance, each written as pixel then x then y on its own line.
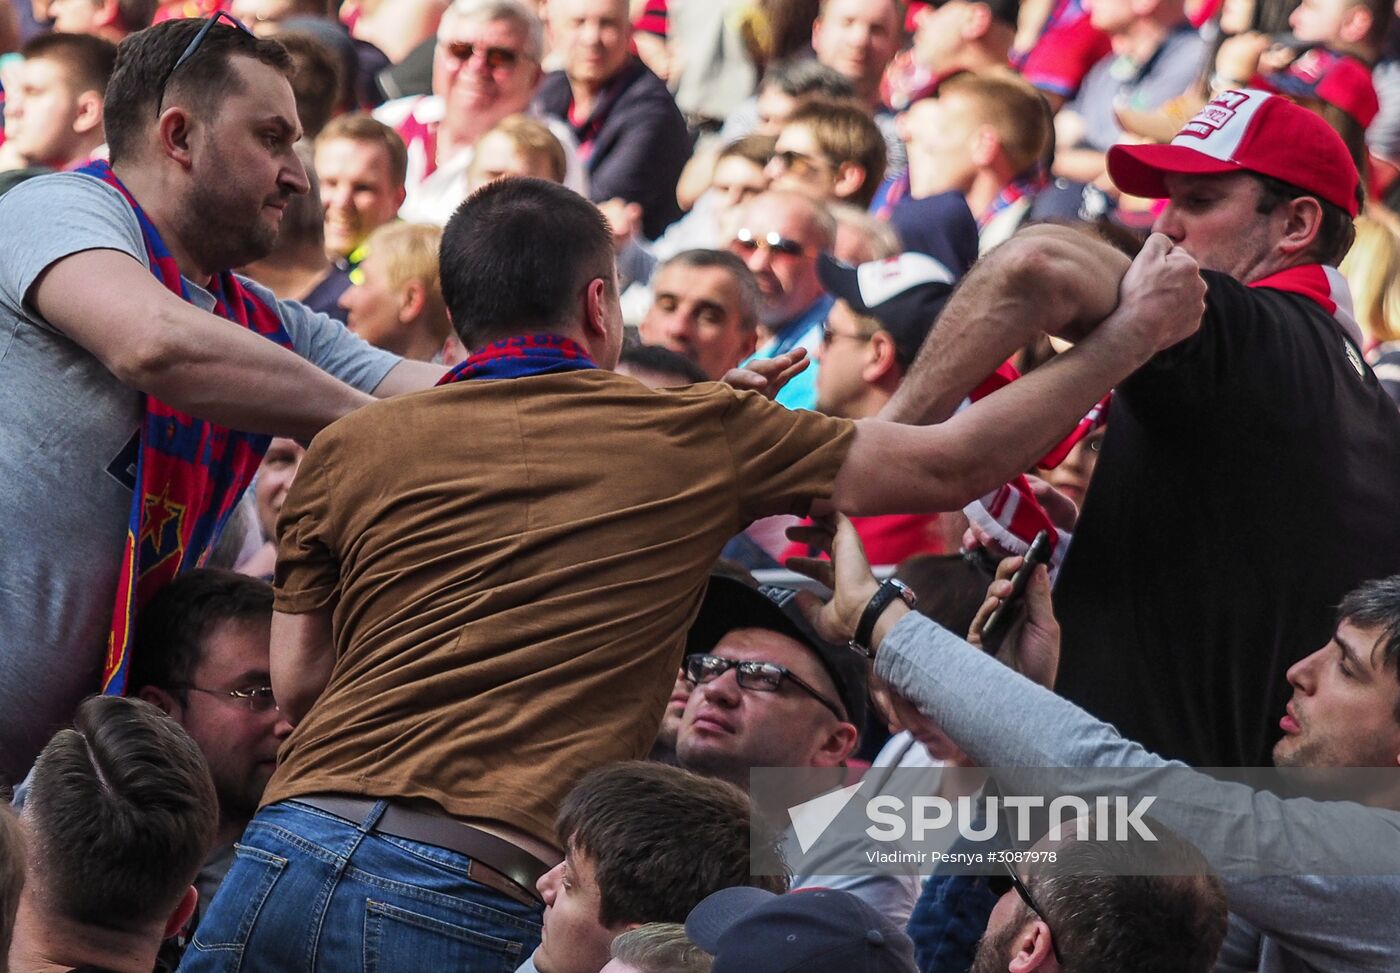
pixel 804 331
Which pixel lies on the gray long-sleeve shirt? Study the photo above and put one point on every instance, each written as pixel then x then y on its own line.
pixel 1297 922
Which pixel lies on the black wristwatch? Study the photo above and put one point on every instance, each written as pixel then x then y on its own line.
pixel 889 590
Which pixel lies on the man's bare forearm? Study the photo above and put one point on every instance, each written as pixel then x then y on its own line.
pixel 230 376
pixel 892 468
pixel 409 376
pixel 302 660
pixel 948 465
pixel 1045 280
pixel 189 359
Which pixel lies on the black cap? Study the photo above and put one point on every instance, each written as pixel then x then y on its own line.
pixel 750 930
pixel 730 603
pixel 905 293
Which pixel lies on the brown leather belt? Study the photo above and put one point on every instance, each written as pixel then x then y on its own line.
pixel 495 862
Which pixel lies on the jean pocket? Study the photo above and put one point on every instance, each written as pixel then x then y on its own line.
pixel 229 922
pixel 408 942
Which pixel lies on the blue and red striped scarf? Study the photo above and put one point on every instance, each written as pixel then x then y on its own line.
pixel 520 356
pixel 1026 184
pixel 190 473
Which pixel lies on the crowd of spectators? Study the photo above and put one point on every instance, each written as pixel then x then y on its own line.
pixel 426 423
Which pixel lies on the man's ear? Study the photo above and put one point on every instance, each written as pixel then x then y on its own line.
pixel 174 128
pixel 1356 24
pixel 849 178
pixel 181 916
pixel 595 308
pixel 412 299
pixel 749 343
pixel 1033 950
pixel 985 146
pixel 882 360
pixel 977 21
pixel 838 746
pixel 1302 222
pixel 89 116
pixel 109 14
pixel 159 698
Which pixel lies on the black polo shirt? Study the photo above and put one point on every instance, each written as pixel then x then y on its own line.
pixel 1250 477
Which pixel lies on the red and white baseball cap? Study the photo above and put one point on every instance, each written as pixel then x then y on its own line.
pixel 1337 79
pixel 1245 131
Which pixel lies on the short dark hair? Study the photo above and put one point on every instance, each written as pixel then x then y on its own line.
pixel 88 59
pixel 1334 236
pixel 1005 12
pixel 1376 604
pixel 121 814
pixel 808 76
pixel 950 587
pixel 664 361
pixel 661 839
pixel 136 14
pixel 515 254
pixel 1150 906
pixel 317 80
pixel 751 297
pixel 172 628
pixel 145 60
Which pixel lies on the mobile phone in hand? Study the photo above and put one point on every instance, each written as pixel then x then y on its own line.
pixel 999 622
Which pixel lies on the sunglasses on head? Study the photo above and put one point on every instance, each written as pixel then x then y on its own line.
pixel 749 241
pixel 496 57
pixel 193 46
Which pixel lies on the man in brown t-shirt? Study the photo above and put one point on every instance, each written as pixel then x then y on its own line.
pixel 483 590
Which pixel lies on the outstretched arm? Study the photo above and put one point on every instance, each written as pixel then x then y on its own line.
pixel 189 359
pixel 1045 279
pixel 894 468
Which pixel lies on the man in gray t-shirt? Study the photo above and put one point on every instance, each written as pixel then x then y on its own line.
pixel 1156 56
pixel 86 331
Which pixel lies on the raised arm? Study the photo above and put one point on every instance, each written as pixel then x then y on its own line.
pixel 189 359
pixel 1045 279
pixel 893 468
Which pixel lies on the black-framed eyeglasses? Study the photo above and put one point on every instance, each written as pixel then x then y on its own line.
pixel 749 241
pixel 193 46
pixel 1001 884
pixel 830 334
pixel 762 677
pixel 496 57
pixel 256 699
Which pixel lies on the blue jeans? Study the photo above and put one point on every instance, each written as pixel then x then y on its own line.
pixel 312 893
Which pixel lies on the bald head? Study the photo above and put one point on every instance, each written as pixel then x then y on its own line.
pixel 778 236
pixel 592 37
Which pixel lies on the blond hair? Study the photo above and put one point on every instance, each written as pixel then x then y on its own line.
pixel 1372 270
pixel 409 252
pixel 533 140
pixel 660 947
pixel 1012 107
